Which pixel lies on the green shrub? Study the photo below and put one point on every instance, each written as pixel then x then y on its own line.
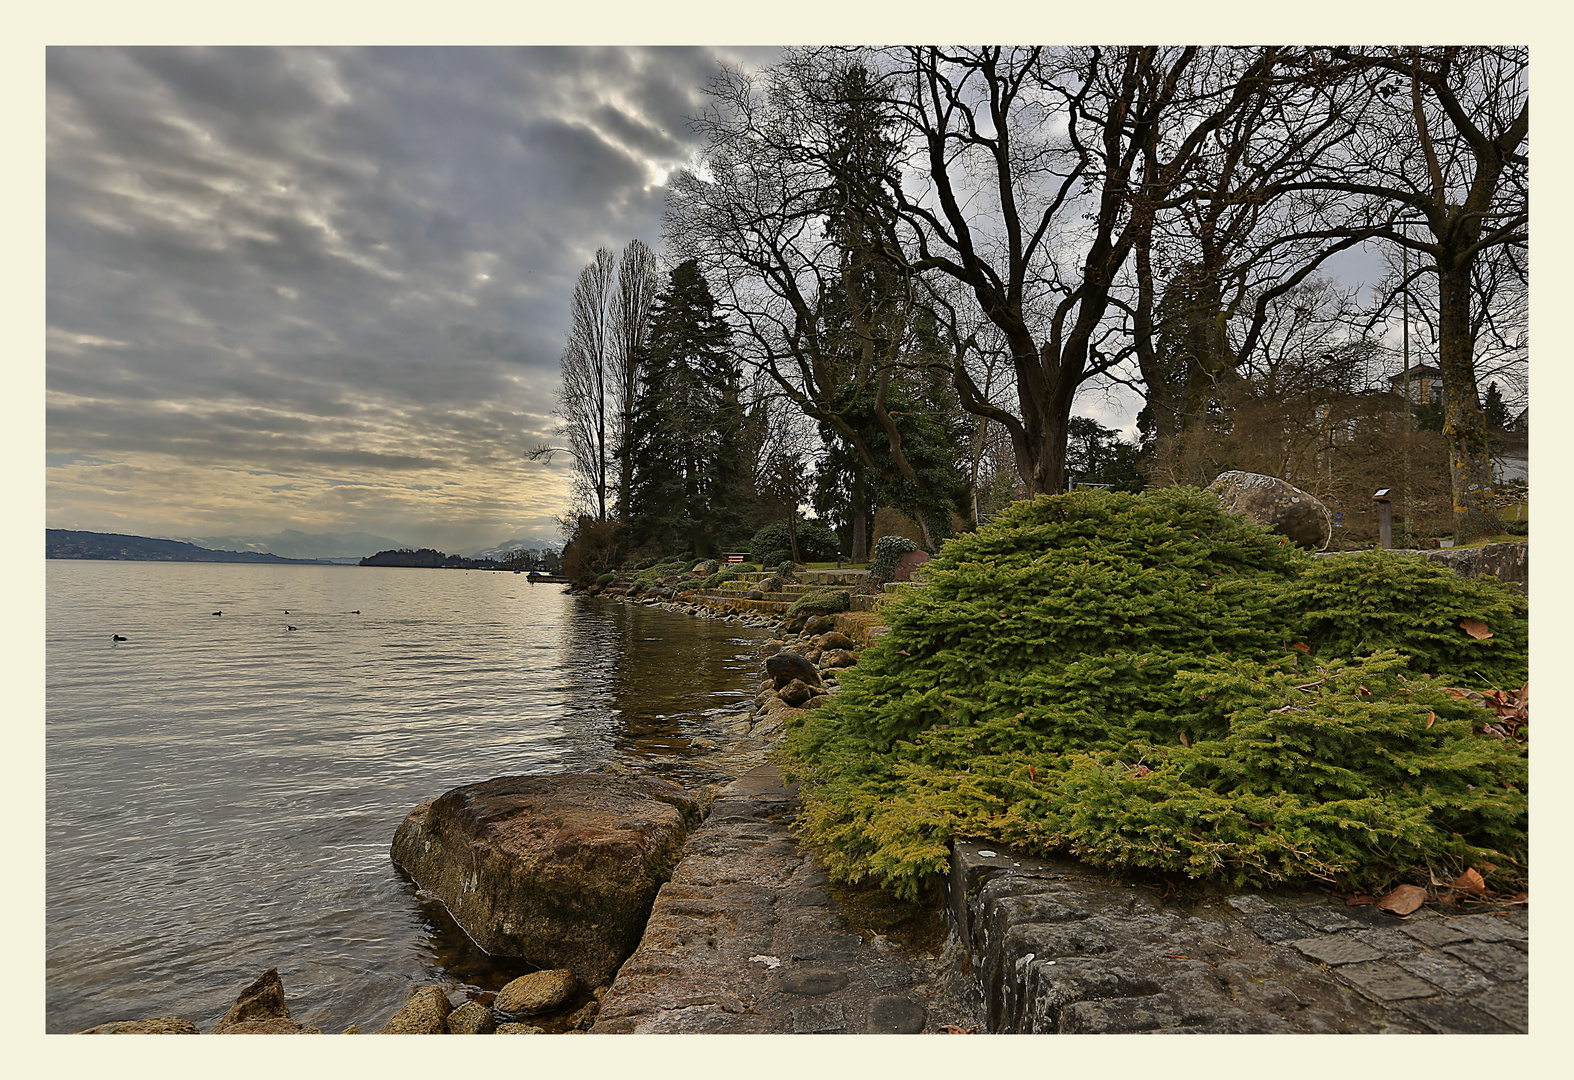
pixel 715 580
pixel 887 553
pixel 1358 604
pixel 606 579
pixel 820 602
pixel 1517 528
pixel 786 569
pixel 816 543
pixel 1111 676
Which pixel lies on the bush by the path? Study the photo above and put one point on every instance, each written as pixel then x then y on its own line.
pixel 1114 676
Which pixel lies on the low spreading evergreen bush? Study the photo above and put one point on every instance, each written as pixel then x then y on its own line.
pixel 786 569
pixel 819 602
pixel 1145 682
pixel 716 580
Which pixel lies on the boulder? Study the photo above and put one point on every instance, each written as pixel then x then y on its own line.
pixel 538 992
pixel 819 624
pixel 838 658
pixel 262 1000
pixel 519 1029
pixel 471 1018
pixel 1284 508
pixel 158 1025
pixel 425 1013
pixel 836 640
pixel 560 871
pixel 795 693
pixel 784 667
pixel 908 564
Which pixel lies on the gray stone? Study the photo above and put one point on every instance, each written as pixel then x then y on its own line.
pixel 889 976
pixel 1284 508
pixel 1503 962
pixel 1249 904
pixel 1278 928
pixel 1444 972
pixel 811 898
pixel 1450 1017
pixel 826 1018
pixel 1509 1002
pixel 1324 918
pixel 812 980
pixel 471 1018
pixel 1336 950
pixel 1487 928
pixel 890 1014
pixel 1388 942
pixel 1432 932
pixel 1385 981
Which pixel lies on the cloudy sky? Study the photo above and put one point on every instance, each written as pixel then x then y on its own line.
pixel 327 289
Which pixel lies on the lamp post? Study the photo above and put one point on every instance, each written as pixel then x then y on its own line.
pixel 1385 519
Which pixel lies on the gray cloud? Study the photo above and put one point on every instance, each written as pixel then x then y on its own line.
pixel 327 289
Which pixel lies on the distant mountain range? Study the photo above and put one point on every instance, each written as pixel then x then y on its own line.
pixel 293 544
pixel 518 543
pixel 72 544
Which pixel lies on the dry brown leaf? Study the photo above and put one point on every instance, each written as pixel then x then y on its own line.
pixel 1402 899
pixel 1185 741
pixel 1141 770
pixel 1431 718
pixel 1475 628
pixel 1301 645
pixel 1471 882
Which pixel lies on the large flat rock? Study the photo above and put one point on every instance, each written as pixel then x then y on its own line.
pixel 558 870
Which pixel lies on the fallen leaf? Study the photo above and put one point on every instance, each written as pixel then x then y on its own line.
pixel 1184 740
pixel 1471 882
pixel 1475 628
pixel 1301 645
pixel 1402 899
pixel 1431 718
pixel 1359 900
pixel 1141 770
pixel 1031 775
pixel 1363 691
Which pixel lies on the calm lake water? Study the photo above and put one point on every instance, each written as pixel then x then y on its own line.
pixel 222 791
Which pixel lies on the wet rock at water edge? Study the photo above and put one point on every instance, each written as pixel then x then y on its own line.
pixel 795 693
pixel 260 1010
pixel 784 667
pixel 1284 508
pixel 559 871
pixel 819 624
pixel 538 992
pixel 425 1013
pixel 471 1018
pixel 158 1025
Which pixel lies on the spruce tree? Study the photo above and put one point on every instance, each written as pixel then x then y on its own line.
pixel 689 479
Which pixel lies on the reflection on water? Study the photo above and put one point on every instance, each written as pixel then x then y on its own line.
pixel 221 791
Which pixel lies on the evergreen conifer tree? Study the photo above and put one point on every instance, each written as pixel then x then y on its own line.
pixel 690 479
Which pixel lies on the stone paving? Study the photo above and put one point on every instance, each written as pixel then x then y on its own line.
pixel 746 938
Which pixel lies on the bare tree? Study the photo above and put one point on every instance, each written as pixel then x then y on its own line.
pixel 1447 150
pixel 584 398
pixel 637 285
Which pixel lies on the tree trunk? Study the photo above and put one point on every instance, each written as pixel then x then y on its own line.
pixel 1464 425
pixel 860 542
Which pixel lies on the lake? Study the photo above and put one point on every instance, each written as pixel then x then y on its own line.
pixel 221 791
